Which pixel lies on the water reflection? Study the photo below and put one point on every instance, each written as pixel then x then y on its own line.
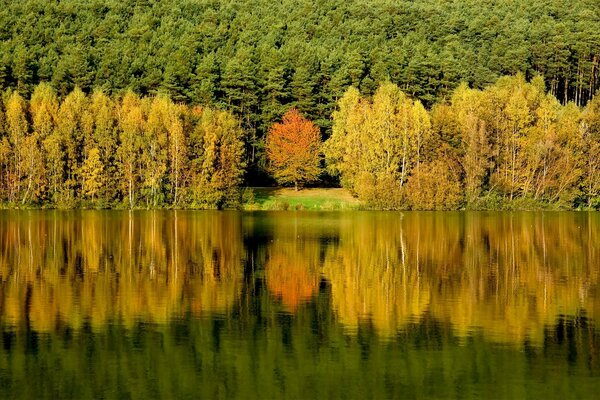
pixel 292 270
pixel 296 305
pixel 75 267
pixel 507 274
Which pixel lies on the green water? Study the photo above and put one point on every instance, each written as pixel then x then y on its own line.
pixel 183 304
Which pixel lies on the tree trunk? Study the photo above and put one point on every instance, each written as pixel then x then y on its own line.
pixel 130 193
pixel 27 192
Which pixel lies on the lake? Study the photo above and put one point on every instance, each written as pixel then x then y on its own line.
pixel 185 304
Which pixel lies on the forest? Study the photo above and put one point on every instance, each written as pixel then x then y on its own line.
pixel 142 103
pixel 511 145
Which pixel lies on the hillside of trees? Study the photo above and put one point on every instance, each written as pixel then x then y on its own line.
pixel 145 103
pixel 258 57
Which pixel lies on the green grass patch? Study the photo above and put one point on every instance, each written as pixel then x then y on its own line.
pixel 318 199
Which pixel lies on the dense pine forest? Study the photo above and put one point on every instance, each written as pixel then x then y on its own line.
pixel 420 104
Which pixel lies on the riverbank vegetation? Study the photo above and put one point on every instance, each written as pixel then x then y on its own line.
pixel 422 104
pixel 509 146
pixel 129 151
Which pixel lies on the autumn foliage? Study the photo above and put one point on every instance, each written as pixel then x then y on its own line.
pixel 114 151
pixel 292 276
pixel 293 150
pixel 511 145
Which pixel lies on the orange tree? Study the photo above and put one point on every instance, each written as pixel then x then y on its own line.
pixel 294 150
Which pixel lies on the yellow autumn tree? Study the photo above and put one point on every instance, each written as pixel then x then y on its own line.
pixel 45 112
pixel 154 147
pixel 5 159
pixel 17 127
pixel 435 186
pixel 100 131
pixel 177 150
pixel 91 174
pixel 375 145
pixel 216 159
pixel 591 152
pixel 131 125
pixel 343 148
pixel 474 147
pixel 70 128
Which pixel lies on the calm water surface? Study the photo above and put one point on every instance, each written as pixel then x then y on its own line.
pixel 105 304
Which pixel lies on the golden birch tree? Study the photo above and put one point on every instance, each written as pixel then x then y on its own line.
pixel 131 128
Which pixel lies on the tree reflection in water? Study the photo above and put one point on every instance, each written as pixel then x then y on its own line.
pixel 228 304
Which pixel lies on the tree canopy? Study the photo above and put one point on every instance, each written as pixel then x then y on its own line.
pixel 156 98
pixel 294 150
pixel 511 143
pixel 259 57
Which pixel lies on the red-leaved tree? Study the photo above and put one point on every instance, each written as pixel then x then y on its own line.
pixel 294 150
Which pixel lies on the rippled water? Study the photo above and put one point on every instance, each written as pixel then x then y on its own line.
pixel 181 304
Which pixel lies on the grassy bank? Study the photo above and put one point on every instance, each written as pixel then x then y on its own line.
pixel 304 199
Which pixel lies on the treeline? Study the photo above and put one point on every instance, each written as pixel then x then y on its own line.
pixel 125 150
pixel 259 57
pixel 511 145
